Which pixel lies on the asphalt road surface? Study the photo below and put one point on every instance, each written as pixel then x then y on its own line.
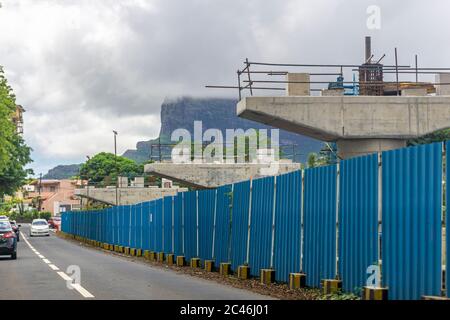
pixel 44 267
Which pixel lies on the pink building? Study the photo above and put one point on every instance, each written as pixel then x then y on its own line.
pixel 56 195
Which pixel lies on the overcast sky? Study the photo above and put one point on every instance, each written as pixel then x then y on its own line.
pixel 83 68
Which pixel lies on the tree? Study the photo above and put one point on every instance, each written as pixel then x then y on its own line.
pixel 438 136
pixel 103 168
pixel 14 153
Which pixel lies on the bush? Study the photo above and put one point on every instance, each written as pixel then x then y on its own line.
pixel 28 216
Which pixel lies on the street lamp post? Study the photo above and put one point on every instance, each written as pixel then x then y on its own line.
pixel 117 170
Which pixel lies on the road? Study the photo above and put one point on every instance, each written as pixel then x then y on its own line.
pixel 41 272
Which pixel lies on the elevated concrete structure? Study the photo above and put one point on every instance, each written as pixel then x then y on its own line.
pixel 359 124
pixel 126 195
pixel 209 175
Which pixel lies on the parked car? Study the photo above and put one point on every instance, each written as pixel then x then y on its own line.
pixel 8 240
pixel 54 222
pixel 16 229
pixel 39 227
pixel 3 218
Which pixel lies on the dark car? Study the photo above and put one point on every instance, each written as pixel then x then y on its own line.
pixel 16 229
pixel 8 240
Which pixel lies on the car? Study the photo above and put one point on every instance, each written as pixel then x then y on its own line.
pixel 54 222
pixel 8 240
pixel 3 218
pixel 16 229
pixel 39 227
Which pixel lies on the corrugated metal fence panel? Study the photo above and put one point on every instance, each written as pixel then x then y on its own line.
pixel 239 223
pixel 223 225
pixel 146 225
pixel 133 224
pixel 190 224
pixel 206 205
pixel 358 220
pixel 320 224
pixel 158 225
pixel 287 225
pixel 447 215
pixel 139 226
pixel 178 224
pixel 411 238
pixel 152 232
pixel 167 224
pixel 261 225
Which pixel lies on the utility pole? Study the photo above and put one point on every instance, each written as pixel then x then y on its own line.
pixel 39 194
pixel 117 169
pixel 87 186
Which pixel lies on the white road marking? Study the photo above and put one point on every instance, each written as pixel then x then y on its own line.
pixel 64 276
pixel 82 290
pixel 76 286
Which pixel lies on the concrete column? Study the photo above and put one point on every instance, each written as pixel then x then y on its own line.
pixel 298 89
pixel 359 147
pixel 123 182
pixel 139 182
pixel 445 89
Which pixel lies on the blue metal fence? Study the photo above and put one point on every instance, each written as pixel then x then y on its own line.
pixel 288 235
pixel 358 220
pixel 190 224
pixel 239 223
pixel 263 223
pixel 222 234
pixel 412 208
pixel 320 224
pixel 206 211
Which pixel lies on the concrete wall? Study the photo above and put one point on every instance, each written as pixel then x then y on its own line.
pixel 126 195
pixel 214 175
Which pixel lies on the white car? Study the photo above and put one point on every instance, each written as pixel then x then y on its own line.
pixel 39 227
pixel 4 218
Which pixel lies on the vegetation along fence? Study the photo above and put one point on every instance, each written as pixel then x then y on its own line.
pixel 386 211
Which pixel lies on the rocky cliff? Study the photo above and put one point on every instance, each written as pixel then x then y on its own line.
pixel 214 113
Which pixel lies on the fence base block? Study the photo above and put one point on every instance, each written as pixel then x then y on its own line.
pixel 330 286
pixel 111 247
pixel 435 298
pixel 373 293
pixel 267 276
pixel 297 281
pixel 133 252
pixel 170 259
pixel 106 246
pixel 243 272
pixel 160 257
pixel 138 252
pixel 120 249
pixel 147 254
pixel 209 265
pixel 127 250
pixel 152 256
pixel 116 248
pixel 225 268
pixel 195 263
pixel 181 261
